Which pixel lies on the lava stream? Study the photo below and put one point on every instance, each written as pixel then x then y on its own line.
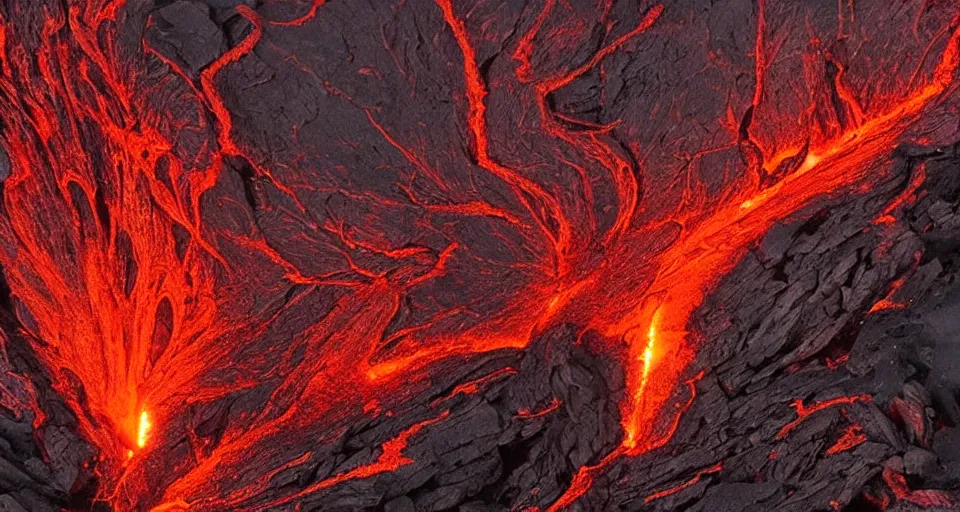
pixel 198 295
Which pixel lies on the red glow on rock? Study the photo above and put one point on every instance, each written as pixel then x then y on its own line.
pixel 852 437
pixel 526 413
pixel 926 498
pixel 716 468
pixel 804 411
pixel 583 479
pixel 391 458
pixel 888 301
pixel 906 197
pixel 475 386
pixel 144 306
pixel 836 363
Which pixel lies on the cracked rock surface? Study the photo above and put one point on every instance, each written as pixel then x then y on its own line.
pixel 304 236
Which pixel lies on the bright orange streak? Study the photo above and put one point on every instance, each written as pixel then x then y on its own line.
pixel 583 480
pixel 391 458
pixel 893 288
pixel 207 76
pixel 716 468
pixel 143 429
pixel 759 53
pixel 908 195
pixel 711 246
pixel 314 7
pixel 477 118
pixel 804 411
pixel 852 437
pixel 630 441
pixel 67 263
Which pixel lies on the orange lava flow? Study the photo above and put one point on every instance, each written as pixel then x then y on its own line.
pixel 711 246
pixel 804 411
pixel 583 480
pixel 554 405
pixel 391 458
pixel 475 386
pixel 908 196
pixel 716 468
pixel 218 307
pixel 887 302
pixel 852 437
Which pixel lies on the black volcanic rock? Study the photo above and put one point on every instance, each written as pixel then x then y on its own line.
pixel 380 256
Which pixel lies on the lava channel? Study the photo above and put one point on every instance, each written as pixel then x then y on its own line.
pixel 220 293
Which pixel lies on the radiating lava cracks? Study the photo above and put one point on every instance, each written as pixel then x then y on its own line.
pixel 312 210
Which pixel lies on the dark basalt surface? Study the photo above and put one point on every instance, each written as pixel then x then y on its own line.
pixel 777 304
pixel 829 377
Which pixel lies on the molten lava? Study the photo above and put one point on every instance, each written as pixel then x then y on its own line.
pixel 211 297
pixel 143 430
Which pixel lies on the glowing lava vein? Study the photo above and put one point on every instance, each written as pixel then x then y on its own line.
pixel 168 261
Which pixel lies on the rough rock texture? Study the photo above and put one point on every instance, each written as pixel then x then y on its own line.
pixel 521 437
pixel 770 351
pixel 44 464
pixel 282 201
